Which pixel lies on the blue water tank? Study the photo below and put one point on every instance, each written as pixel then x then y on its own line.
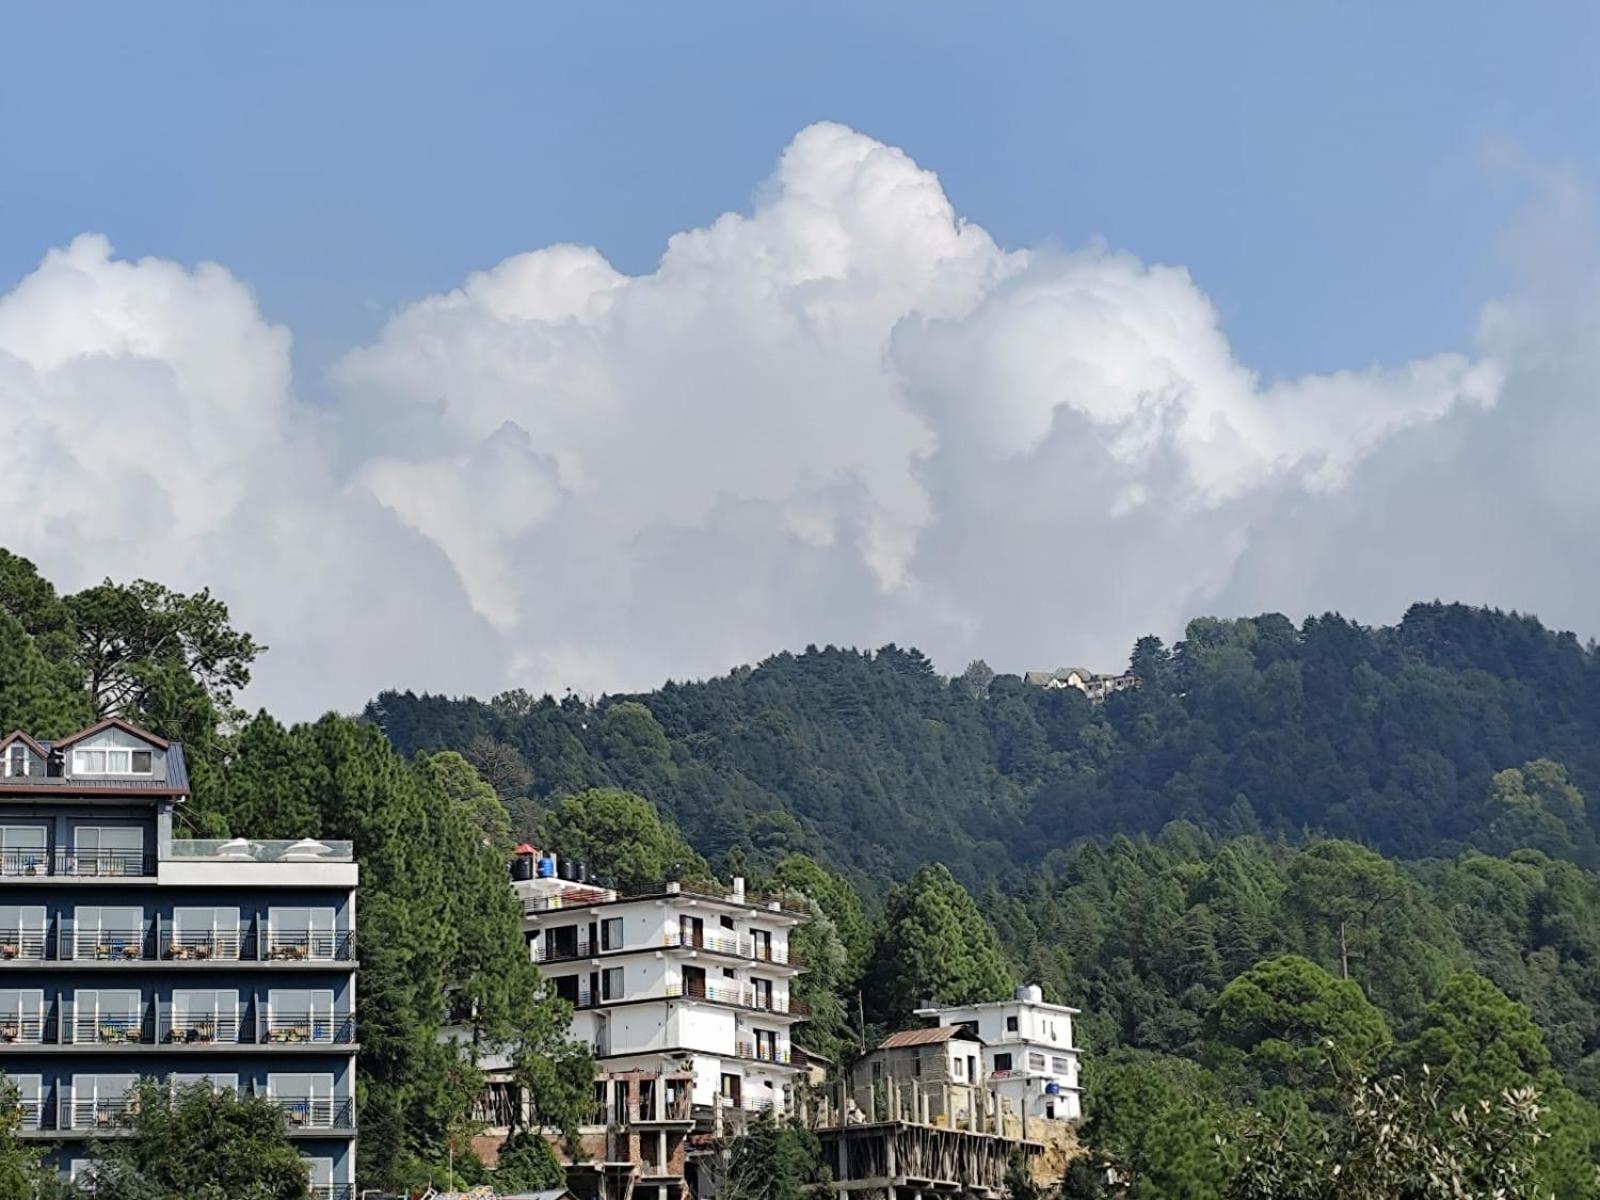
pixel 547 867
pixel 1052 1088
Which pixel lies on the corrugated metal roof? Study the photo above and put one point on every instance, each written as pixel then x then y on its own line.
pixel 924 1037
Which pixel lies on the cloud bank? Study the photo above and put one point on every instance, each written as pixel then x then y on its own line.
pixel 845 415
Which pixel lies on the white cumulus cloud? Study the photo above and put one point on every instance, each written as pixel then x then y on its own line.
pixel 846 414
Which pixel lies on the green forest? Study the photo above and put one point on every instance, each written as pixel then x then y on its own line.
pixel 1309 885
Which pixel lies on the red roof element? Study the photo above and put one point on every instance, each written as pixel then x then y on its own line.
pixel 924 1037
pixel 525 848
pixel 144 735
pixel 16 735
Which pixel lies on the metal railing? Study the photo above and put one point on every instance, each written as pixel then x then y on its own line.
pixel 227 946
pixel 741 996
pixel 199 1030
pixel 134 944
pixel 30 1114
pixel 333 1191
pixel 305 1028
pixel 82 863
pixel 303 947
pixel 24 945
pixel 31 1030
pixel 111 1029
pixel 306 1112
pixel 583 895
pixel 735 946
pixel 760 1053
pixel 100 1113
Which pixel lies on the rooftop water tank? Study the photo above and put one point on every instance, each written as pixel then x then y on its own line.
pixel 1030 993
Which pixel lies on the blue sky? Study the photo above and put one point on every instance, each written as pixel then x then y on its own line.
pixel 1319 168
pixel 1038 327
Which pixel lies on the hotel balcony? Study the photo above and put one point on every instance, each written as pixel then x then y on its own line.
pixel 155 1025
pixel 158 940
pixel 727 945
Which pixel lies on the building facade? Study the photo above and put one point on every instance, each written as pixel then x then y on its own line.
pixel 127 953
pixel 682 991
pixel 1092 684
pixel 1029 1058
pixel 926 1076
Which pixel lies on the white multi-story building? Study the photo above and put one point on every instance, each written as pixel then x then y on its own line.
pixel 1029 1058
pixel 686 982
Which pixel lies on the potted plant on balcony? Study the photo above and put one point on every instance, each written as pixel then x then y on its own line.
pixel 129 950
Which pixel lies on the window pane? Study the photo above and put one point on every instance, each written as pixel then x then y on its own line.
pixel 22 837
pixel 141 762
pixel 118 762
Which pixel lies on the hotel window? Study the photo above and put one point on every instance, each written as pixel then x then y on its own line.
pixel 205 933
pixel 108 849
pixel 296 933
pixel 611 933
pixel 106 1015
pixel 99 1100
pixel 299 1015
pixel 101 931
pixel 22 931
pixel 218 1084
pixel 611 983
pixel 112 761
pixel 1061 1066
pixel 22 1015
pixel 30 1093
pixel 1036 1062
pixel 1011 1024
pixel 22 850
pixel 305 1099
pixel 1002 1062
pixel 204 1015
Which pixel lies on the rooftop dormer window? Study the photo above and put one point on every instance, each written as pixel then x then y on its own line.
pixel 17 762
pixel 111 761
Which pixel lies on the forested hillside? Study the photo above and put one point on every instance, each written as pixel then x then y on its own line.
pixel 873 762
pixel 1292 860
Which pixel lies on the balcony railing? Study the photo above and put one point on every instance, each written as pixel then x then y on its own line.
pixel 741 996
pixel 305 1112
pixel 735 946
pixel 580 896
pixel 30 1113
pixel 761 1053
pixel 111 1029
pixel 715 943
pixel 134 944
pixel 223 945
pixel 192 1030
pixel 82 863
pixel 23 945
pixel 101 1113
pixel 30 1030
pixel 305 1028
pixel 157 939
pixel 304 947
pixel 333 1191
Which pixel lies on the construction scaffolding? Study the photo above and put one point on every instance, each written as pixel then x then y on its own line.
pixel 895 1160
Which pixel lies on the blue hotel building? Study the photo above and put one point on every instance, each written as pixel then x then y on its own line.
pixel 127 953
